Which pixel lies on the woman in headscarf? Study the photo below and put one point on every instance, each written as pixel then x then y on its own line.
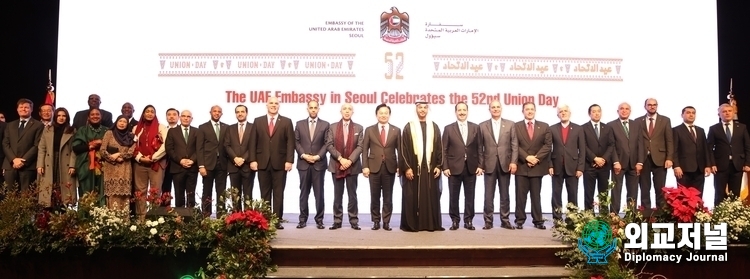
pixel 56 163
pixel 149 157
pixel 86 145
pixel 117 151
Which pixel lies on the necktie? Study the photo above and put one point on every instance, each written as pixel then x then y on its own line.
pixel 692 133
pixel 382 135
pixel 627 130
pixel 346 133
pixel 270 126
pixel 530 130
pixel 185 134
pixel 312 129
pixel 650 126
pixel 596 129
pixel 729 132
pixel 565 135
pixel 242 131
pixel 216 130
pixel 23 125
pixel 463 132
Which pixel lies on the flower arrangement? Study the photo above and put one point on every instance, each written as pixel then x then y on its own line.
pixel 239 242
pixel 682 204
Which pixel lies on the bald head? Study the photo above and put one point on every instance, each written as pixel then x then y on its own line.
pixel 272 105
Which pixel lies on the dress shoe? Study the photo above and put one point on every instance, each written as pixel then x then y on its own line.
pixel 540 226
pixel 507 226
pixel 320 226
pixel 335 226
pixel 356 227
pixel 454 226
pixel 487 226
pixel 387 227
pixel 469 226
pixel 301 225
pixel 376 226
pixel 279 227
pixel 519 227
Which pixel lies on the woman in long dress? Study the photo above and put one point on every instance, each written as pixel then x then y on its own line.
pixel 86 145
pixel 56 163
pixel 117 151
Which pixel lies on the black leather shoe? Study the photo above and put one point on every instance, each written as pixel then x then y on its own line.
pixel 454 226
pixel 519 227
pixel 301 225
pixel 356 227
pixel 376 226
pixel 335 226
pixel 507 226
pixel 487 226
pixel 469 226
pixel 320 226
pixel 279 227
pixel 540 226
pixel 387 227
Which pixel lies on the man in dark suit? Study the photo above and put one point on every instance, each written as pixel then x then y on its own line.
pixel 730 143
pixel 691 163
pixel 212 161
pixel 82 117
pixel 659 142
pixel 461 143
pixel 344 142
pixel 127 111
pixel 567 159
pixel 173 115
pixel 600 147
pixel 628 156
pixel 237 146
pixel 534 145
pixel 273 141
pixel 20 142
pixel 380 148
pixel 310 135
pixel 182 149
pixel 499 154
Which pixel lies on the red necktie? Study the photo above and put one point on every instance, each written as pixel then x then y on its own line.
pixel 565 134
pixel 530 130
pixel 382 135
pixel 270 126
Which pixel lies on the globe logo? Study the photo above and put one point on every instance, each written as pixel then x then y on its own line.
pixel 597 242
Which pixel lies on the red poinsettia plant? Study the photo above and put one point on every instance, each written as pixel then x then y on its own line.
pixel 248 218
pixel 683 203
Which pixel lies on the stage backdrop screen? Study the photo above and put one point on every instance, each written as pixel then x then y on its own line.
pixel 195 54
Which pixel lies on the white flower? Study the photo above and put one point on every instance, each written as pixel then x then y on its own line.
pixel 153 231
pixel 161 220
pixel 133 228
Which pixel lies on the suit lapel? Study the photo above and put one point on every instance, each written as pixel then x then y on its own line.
pixel 25 128
pixel 64 140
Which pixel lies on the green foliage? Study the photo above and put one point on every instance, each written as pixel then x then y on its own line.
pixel 239 250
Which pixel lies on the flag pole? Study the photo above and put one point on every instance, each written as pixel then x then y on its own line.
pixel 50 98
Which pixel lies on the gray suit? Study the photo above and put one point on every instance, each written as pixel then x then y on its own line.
pixel 496 155
pixel 357 135
pixel 21 144
pixel 311 176
pixel 568 158
pixel 240 177
pixel 629 152
pixel 660 147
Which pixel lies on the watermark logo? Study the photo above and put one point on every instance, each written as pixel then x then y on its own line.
pixel 664 237
pixel 597 242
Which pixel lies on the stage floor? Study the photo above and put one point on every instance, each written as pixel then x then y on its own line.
pixel 311 237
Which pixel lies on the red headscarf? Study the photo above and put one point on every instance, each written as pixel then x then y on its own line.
pixel 149 139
